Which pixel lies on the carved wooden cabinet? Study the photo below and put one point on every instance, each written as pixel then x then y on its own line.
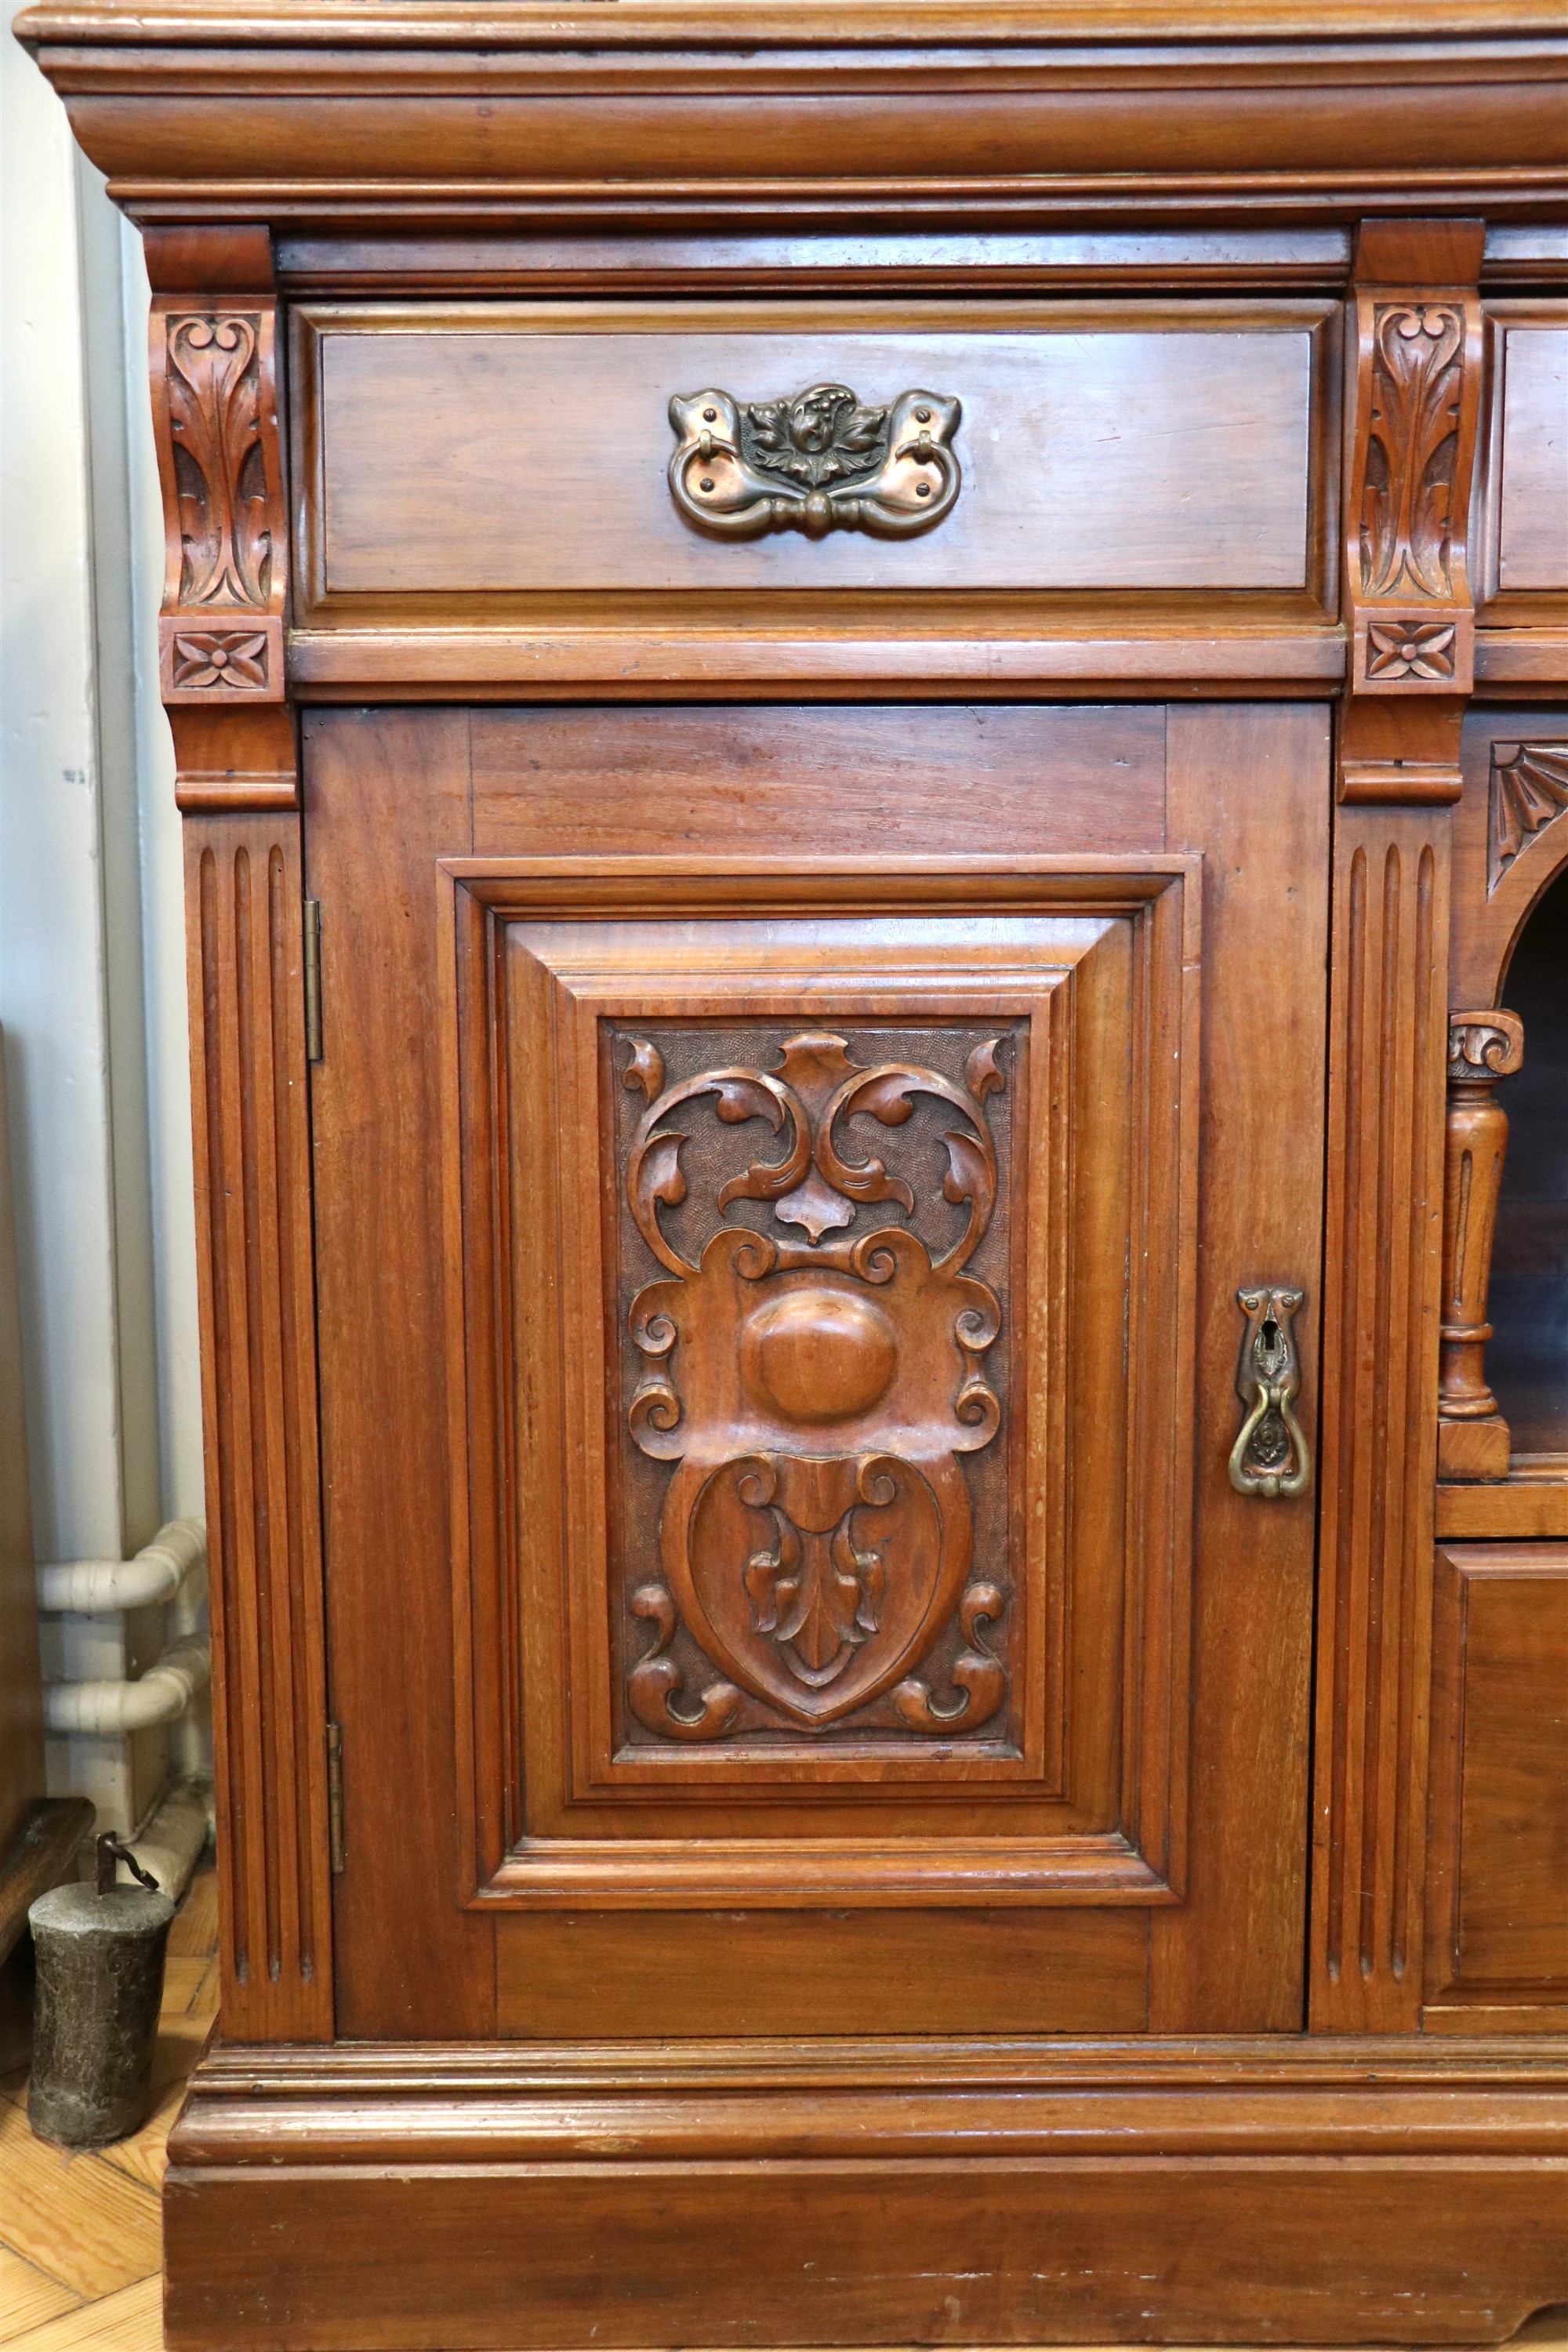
pixel 871 714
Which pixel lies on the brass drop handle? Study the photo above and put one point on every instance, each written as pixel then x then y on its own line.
pixel 1271 1456
pixel 820 460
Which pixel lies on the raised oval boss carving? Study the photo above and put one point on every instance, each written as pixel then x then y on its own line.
pixel 817 462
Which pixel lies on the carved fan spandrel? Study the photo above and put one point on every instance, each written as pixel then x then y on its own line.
pixel 815 1372
pixel 1529 791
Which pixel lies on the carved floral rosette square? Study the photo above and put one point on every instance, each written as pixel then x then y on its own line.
pixel 815 1539
pixel 1402 649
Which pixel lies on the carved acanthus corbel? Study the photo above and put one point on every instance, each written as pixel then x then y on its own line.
pixel 1472 1436
pixel 1411 433
pixel 213 347
pixel 215 407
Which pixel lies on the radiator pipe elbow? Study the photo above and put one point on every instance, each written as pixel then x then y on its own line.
pixel 158 1570
pixel 160 1696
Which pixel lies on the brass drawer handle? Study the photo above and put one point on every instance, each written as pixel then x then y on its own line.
pixel 1270 1456
pixel 815 463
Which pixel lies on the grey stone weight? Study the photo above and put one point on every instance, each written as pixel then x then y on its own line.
pixel 100 1988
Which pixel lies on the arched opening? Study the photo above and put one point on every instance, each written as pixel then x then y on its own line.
pixel 1527 1361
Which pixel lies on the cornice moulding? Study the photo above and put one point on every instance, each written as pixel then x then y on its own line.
pixel 1315 112
pixel 448 24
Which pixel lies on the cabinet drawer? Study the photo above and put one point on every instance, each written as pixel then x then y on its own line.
pixel 524 450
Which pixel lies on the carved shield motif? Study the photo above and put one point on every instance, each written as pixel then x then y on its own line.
pixel 813 1388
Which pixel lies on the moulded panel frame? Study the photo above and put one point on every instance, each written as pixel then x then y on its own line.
pixel 962 1846
pixel 490 642
pixel 1460 2000
pixel 1498 607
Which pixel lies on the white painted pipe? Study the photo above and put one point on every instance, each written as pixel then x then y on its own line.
pixel 162 1695
pixel 172 1843
pixel 157 1573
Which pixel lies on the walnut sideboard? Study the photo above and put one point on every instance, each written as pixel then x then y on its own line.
pixel 872 713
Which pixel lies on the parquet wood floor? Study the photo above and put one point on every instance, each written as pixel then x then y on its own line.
pixel 80 2236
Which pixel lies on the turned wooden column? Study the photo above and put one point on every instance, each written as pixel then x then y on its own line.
pixel 1472 1435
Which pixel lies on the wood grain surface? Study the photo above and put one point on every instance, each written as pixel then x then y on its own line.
pixel 1252 784
pixel 386 794
pixel 255 1288
pixel 482 453
pixel 511 115
pixel 554 783
pixel 1498 1910
pixel 1533 524
pixel 687 1974
pixel 1180 2191
pixel 786 780
pixel 1382 1307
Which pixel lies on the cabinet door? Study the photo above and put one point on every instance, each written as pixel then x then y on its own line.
pixel 783 1181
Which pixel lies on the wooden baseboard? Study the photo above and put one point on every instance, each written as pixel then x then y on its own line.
pixel 41 1853
pixel 375 2198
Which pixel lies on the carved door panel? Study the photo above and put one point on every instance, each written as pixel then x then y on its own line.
pixel 794 1188
pixel 811 1337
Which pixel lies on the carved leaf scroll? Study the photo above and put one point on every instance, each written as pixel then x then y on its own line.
pixel 813 1388
pixel 215 417
pixel 1408 498
pixel 1483 1046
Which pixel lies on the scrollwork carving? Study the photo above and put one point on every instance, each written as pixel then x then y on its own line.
pixel 656 1682
pixel 1483 1046
pixel 977 1677
pixel 816 462
pixel 814 1390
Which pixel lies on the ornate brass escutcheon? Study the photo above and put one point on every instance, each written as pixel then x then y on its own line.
pixel 817 462
pixel 1270 1456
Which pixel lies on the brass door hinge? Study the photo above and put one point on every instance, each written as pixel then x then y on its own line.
pixel 335 1798
pixel 312 968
